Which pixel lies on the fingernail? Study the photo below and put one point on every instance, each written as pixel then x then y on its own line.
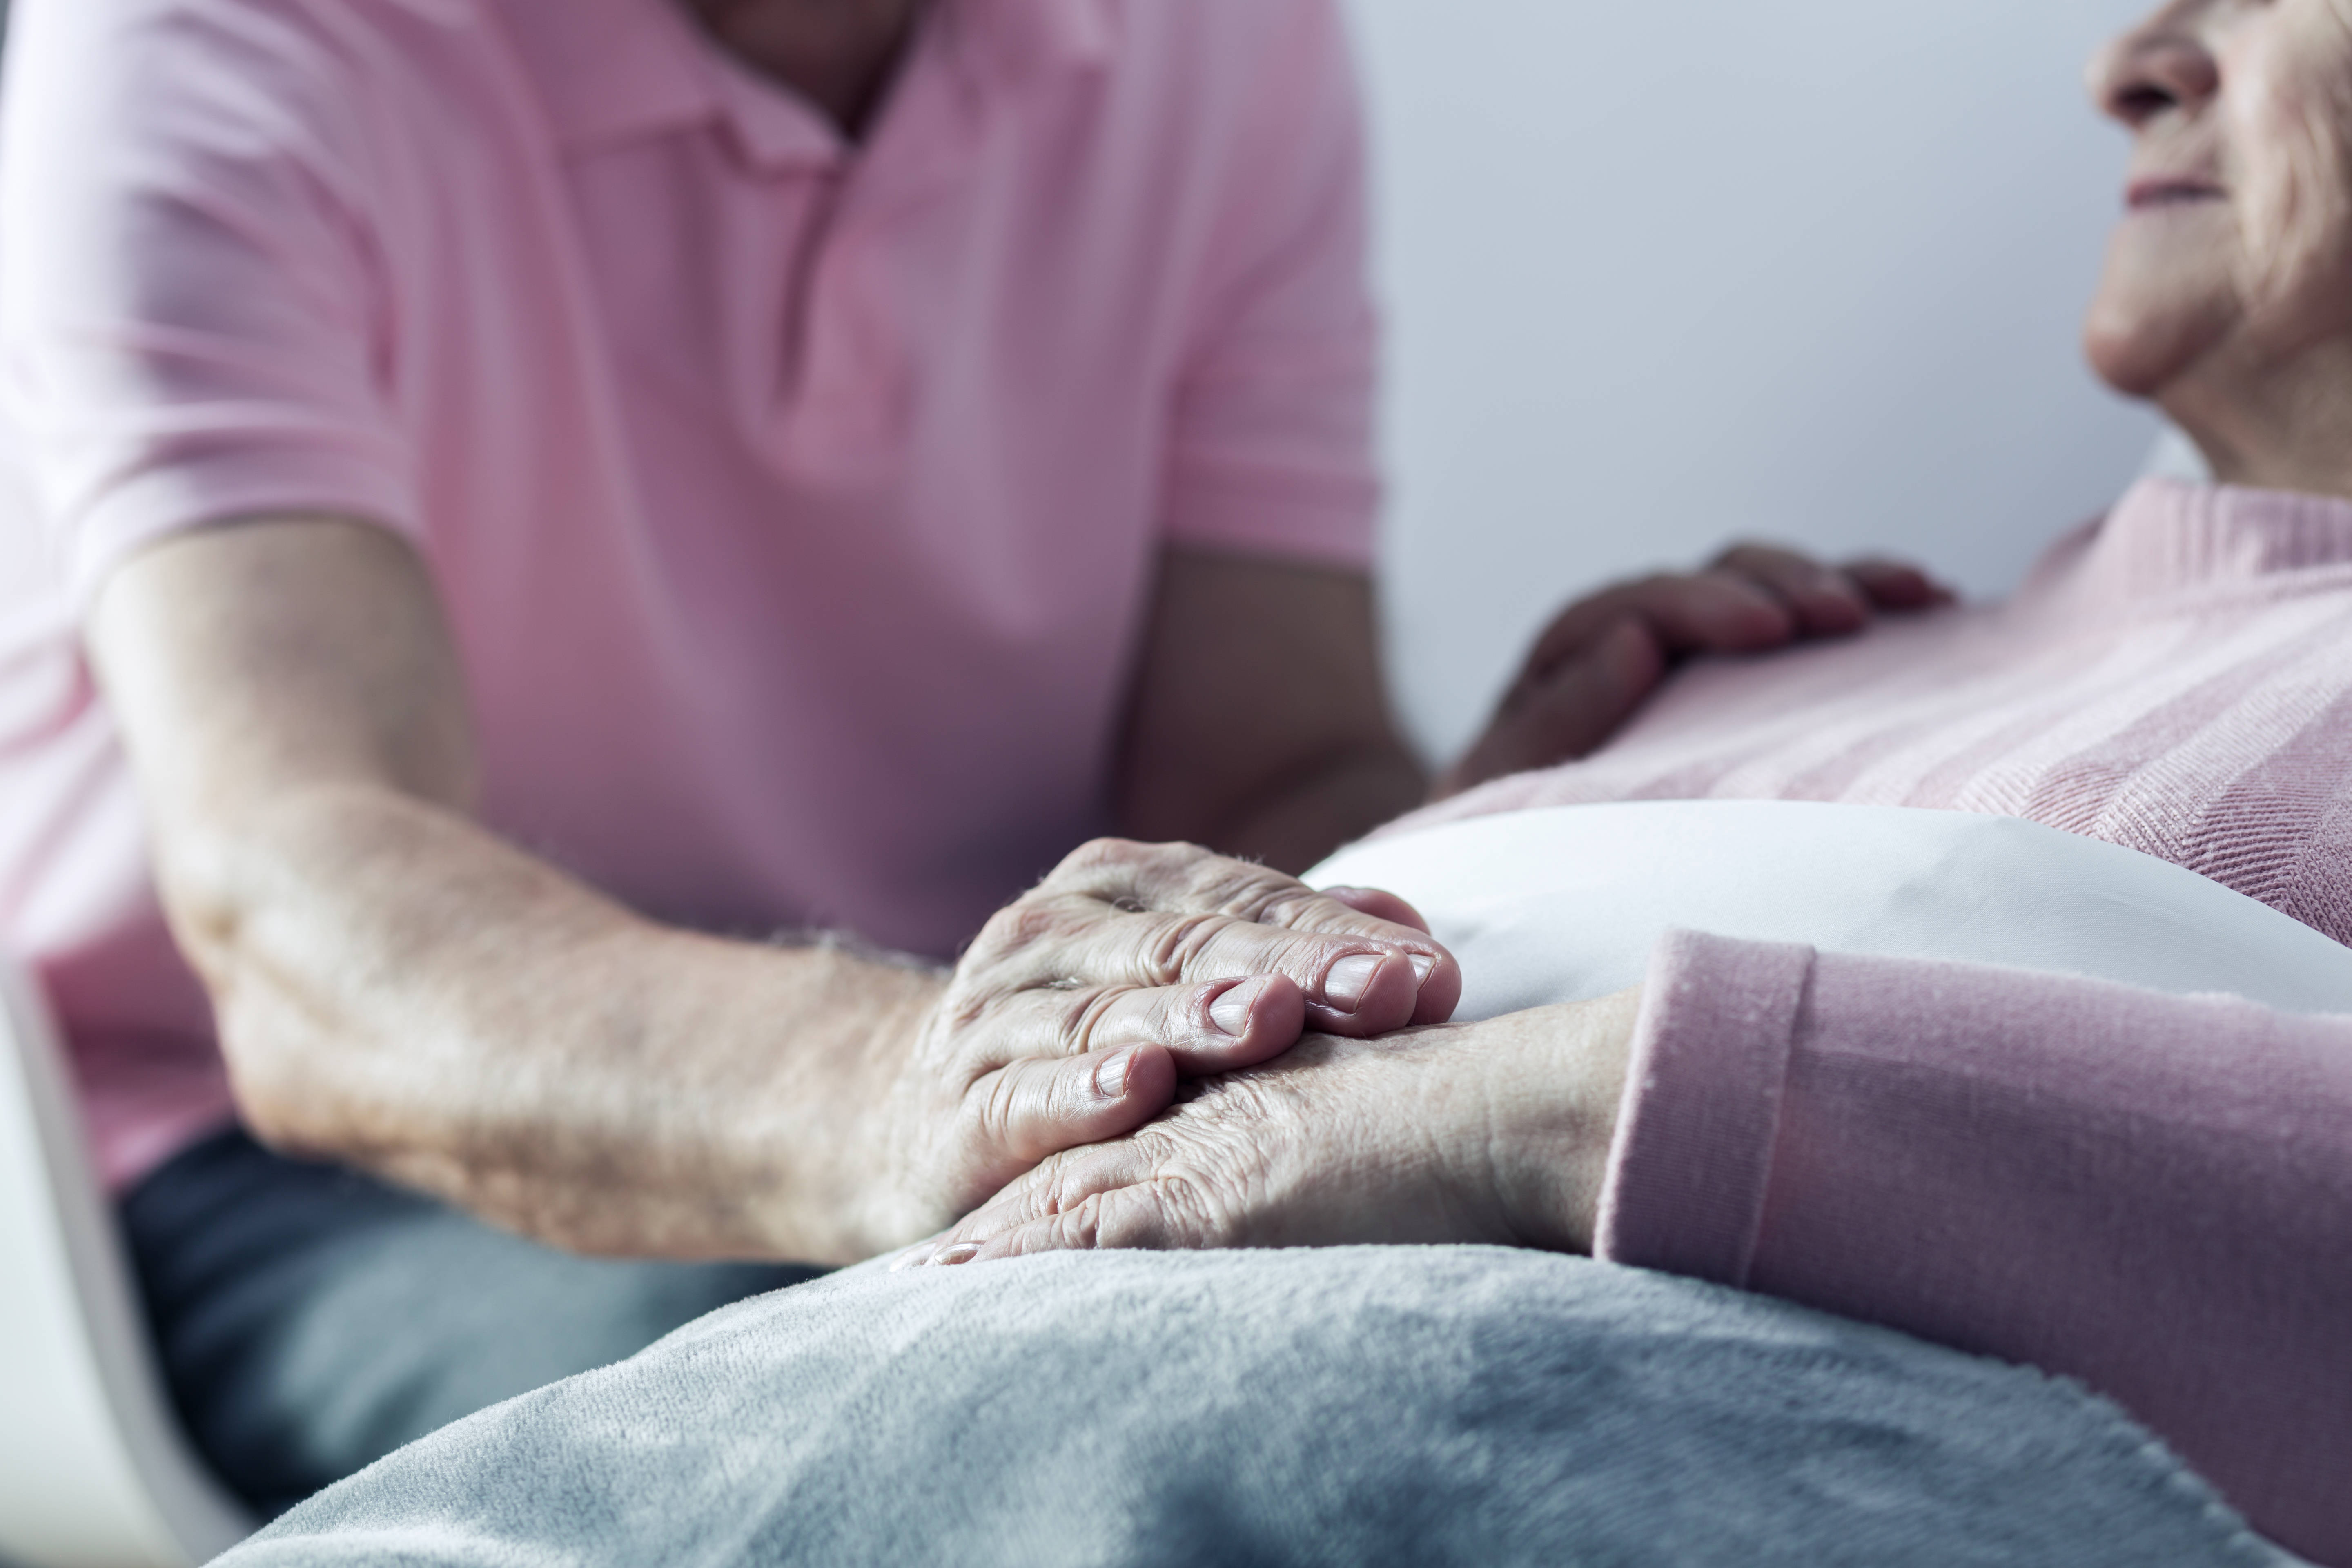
pixel 1110 1078
pixel 948 1256
pixel 1348 980
pixel 1230 1011
pixel 1421 964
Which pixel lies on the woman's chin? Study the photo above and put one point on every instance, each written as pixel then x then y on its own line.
pixel 2139 353
pixel 2126 366
pixel 2162 306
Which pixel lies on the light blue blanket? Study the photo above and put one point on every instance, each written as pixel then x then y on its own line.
pixel 1354 1406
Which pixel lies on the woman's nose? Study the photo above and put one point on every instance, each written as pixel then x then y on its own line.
pixel 2160 65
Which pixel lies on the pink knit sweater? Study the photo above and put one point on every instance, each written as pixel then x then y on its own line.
pixel 2150 1193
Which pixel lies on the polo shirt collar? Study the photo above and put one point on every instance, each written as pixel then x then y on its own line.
pixel 609 72
pixel 614 71
pixel 1021 39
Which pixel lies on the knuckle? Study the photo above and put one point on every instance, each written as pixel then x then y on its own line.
pixel 1126 873
pixel 1034 922
pixel 1013 927
pixel 1079 1227
pixel 1030 1196
pixel 1176 946
pixel 1201 1209
pixel 1097 867
pixel 993 1109
pixel 962 1010
pixel 1080 1017
pixel 1050 1187
pixel 1241 890
pixel 1290 908
pixel 1097 855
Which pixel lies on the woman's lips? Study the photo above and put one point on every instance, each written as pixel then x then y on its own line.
pixel 2169 192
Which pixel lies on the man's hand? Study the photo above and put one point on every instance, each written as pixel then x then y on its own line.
pixel 402 989
pixel 1604 656
pixel 1496 1132
pixel 1073 1017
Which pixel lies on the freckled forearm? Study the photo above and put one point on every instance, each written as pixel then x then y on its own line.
pixel 399 989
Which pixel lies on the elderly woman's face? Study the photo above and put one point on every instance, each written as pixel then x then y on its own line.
pixel 2237 233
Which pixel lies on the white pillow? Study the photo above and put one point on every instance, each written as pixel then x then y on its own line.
pixel 1565 903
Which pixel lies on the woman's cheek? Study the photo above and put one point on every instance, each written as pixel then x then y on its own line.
pixel 2293 192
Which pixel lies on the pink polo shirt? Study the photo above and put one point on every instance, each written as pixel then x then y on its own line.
pixel 795 504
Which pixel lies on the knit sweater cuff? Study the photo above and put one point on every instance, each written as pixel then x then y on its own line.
pixel 1693 1156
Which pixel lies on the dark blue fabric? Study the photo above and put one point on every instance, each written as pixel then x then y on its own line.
pixel 311 1320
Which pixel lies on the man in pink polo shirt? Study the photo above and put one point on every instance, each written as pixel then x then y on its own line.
pixel 701 469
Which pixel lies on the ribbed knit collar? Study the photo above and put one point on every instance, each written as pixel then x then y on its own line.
pixel 2166 538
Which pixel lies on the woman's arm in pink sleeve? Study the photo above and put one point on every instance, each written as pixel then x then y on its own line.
pixel 2150 1193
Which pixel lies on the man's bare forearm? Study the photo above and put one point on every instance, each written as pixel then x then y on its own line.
pixel 397 987
pixel 400 990
pixel 1259 723
pixel 1298 823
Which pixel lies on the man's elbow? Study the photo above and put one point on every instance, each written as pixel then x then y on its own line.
pixel 239 897
pixel 282 1067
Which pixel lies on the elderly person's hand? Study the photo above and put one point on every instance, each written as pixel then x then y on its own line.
pixel 1080 1007
pixel 1604 656
pixel 1498 1132
pixel 401 988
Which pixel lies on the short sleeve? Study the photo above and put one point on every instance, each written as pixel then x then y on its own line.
pixel 193 319
pixel 1272 448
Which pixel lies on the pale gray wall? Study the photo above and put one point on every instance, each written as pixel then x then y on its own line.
pixel 1658 275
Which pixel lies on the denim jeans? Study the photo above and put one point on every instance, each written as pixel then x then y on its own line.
pixel 310 1320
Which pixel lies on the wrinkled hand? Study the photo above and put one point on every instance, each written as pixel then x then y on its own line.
pixel 1603 656
pixel 1076 1011
pixel 1496 1132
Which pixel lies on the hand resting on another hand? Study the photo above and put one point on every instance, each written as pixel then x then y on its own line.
pixel 1446 1131
pixel 1074 1015
pixel 1496 1132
